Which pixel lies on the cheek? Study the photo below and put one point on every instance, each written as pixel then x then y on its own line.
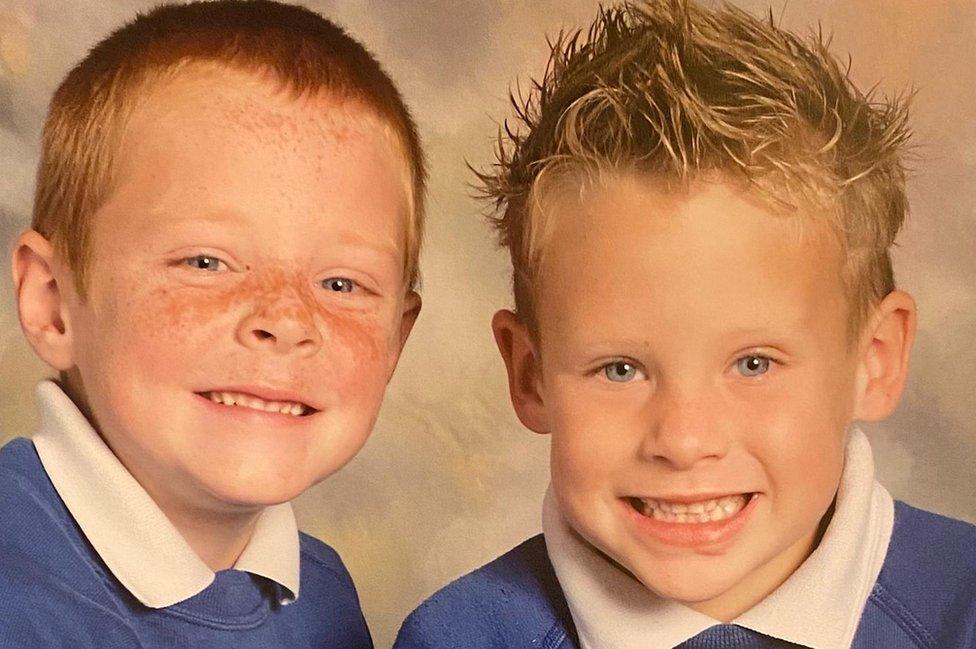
pixel 356 345
pixel 592 437
pixel 130 328
pixel 799 438
pixel 178 325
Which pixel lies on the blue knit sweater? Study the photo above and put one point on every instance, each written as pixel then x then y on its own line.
pixel 925 597
pixel 56 592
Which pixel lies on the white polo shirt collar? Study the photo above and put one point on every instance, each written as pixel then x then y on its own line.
pixel 612 610
pixel 134 538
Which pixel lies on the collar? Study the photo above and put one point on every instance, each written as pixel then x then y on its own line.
pixel 612 609
pixel 133 537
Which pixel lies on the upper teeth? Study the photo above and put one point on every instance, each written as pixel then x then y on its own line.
pixel 697 512
pixel 249 401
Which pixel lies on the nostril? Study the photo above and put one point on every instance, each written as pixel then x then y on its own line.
pixel 261 334
pixel 279 334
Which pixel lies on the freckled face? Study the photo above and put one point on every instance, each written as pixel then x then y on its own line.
pixel 694 347
pixel 252 247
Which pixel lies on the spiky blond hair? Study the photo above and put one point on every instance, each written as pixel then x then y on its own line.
pixel 679 91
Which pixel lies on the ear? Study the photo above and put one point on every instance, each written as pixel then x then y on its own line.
pixel 524 370
pixel 884 351
pixel 411 309
pixel 40 306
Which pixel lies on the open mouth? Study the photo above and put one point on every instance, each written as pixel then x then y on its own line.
pixel 241 400
pixel 703 511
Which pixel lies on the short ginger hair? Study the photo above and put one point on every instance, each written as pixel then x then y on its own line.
pixel 295 47
pixel 677 91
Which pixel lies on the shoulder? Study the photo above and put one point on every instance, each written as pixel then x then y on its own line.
pixel 513 601
pixel 36 526
pixel 19 461
pixel 321 562
pixel 926 584
pixel 26 491
pixel 48 575
pixel 40 607
pixel 328 597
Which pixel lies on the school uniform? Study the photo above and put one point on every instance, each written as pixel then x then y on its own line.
pixel 885 575
pixel 87 559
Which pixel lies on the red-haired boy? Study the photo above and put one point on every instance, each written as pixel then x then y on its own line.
pixel 221 269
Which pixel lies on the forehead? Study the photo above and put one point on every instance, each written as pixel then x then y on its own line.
pixel 633 248
pixel 213 139
pixel 254 106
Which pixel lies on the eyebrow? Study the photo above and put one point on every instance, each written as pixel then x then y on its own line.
pixel 610 344
pixel 223 218
pixel 384 247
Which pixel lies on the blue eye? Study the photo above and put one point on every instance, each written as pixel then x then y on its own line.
pixel 620 371
pixel 752 365
pixel 205 262
pixel 339 284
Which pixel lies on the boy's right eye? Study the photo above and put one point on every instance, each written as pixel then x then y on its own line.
pixel 205 262
pixel 622 371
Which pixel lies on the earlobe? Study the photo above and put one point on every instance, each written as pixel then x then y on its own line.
pixel 885 349
pixel 524 370
pixel 411 309
pixel 39 300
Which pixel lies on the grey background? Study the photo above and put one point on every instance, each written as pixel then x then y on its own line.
pixel 449 478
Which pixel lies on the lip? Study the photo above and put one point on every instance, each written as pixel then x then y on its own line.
pixel 691 535
pixel 265 394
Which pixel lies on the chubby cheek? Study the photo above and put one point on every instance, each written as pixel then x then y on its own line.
pixel 356 350
pixel 800 443
pixel 591 443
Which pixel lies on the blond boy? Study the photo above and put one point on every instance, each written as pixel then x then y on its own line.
pixel 699 208
pixel 220 268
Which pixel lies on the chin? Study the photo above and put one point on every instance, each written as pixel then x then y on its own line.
pixel 247 480
pixel 687 583
pixel 685 592
pixel 251 492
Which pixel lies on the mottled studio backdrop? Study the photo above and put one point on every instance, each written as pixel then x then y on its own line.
pixel 449 478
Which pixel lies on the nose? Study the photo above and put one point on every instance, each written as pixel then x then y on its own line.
pixel 282 327
pixel 685 430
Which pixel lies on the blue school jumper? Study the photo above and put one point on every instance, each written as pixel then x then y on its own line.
pixel 56 592
pixel 925 597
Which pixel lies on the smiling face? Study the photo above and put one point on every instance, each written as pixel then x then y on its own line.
pixel 246 305
pixel 698 381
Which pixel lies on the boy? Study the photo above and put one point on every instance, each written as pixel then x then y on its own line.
pixel 699 212
pixel 221 269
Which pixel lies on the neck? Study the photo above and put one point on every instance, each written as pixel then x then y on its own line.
pixel 218 538
pixel 217 533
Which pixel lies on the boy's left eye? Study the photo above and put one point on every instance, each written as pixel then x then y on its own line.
pixel 752 365
pixel 205 262
pixel 339 284
pixel 622 371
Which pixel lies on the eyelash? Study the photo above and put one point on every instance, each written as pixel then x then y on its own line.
pixel 188 261
pixel 636 369
pixel 769 362
pixel 634 366
pixel 352 284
